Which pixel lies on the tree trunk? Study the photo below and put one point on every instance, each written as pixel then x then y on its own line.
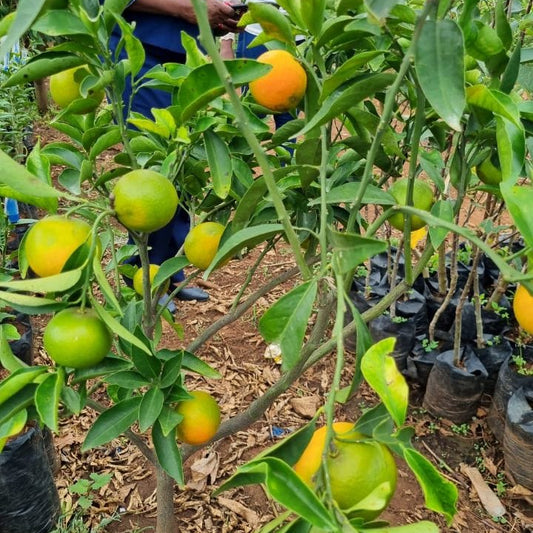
pixel 41 95
pixel 166 521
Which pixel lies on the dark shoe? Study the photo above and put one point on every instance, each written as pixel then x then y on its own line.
pixel 165 301
pixel 192 293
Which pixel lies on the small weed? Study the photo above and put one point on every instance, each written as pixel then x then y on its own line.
pixel 501 485
pixel 500 520
pixel 399 319
pixel 463 429
pixel 429 346
pixel 522 366
pixel 72 520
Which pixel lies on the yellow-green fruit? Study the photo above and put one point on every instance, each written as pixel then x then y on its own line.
pixel 65 88
pixel 489 171
pixel 356 469
pixel 144 200
pixel 51 241
pixel 77 338
pixel 201 243
pixel 138 280
pixel 422 199
pixel 470 63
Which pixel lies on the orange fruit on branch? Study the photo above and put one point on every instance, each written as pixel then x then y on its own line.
pixel 77 338
pixel 138 280
pixel 52 240
pixel 201 418
pixel 201 243
pixel 283 87
pixel 356 467
pixel 65 88
pixel 523 309
pixel 144 200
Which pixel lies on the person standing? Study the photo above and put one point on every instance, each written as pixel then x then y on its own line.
pixel 158 25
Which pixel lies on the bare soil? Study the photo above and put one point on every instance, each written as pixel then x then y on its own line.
pixel 238 353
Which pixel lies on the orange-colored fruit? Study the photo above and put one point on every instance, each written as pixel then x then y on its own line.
pixel 77 338
pixel 201 418
pixel 144 200
pixel 201 243
pixel 309 462
pixel 138 280
pixel 356 467
pixel 52 240
pixel 422 199
pixel 65 88
pixel 283 87
pixel 523 309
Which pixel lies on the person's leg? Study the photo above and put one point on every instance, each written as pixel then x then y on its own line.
pixel 165 242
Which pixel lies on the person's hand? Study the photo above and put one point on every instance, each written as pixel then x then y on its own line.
pixel 222 17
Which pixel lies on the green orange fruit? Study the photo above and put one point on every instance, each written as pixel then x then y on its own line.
pixel 422 199
pixel 77 338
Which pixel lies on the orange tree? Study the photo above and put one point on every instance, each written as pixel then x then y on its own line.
pixel 385 94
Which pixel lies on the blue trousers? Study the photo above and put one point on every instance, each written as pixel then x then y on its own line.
pixel 165 242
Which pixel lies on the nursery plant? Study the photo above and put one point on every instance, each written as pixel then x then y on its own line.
pixel 385 99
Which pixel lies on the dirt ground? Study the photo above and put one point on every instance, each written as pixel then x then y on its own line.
pixel 238 353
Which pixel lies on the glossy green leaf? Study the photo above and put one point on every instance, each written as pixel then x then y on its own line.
pixel 42 66
pixel 219 161
pixel 171 371
pixel 105 286
pixel 7 358
pixel 32 305
pixel 150 408
pixel 363 343
pixel 203 84
pixel 419 527
pixel 347 192
pixel 272 21
pixel 511 149
pixel 18 380
pixel 109 365
pixel 168 420
pixel 518 199
pixel 350 249
pixel 441 209
pixel 285 323
pixel 195 57
pixel 112 423
pixel 347 96
pixel 59 22
pixel 47 398
pixel 382 374
pixel 16 403
pixel 61 153
pixel 196 365
pixel 133 46
pixel 116 327
pixel 127 379
pixel 512 70
pixel 312 13
pixel 168 453
pixel 27 12
pixel 105 141
pixel 380 9
pixel 495 101
pixel 373 418
pixel 287 488
pixel 57 283
pixel 503 28
pixel 439 63
pixel 168 269
pixel 439 493
pixel 243 238
pixel 16 182
pixel 348 70
pixel 12 427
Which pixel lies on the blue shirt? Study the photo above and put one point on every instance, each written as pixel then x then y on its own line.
pixel 161 31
